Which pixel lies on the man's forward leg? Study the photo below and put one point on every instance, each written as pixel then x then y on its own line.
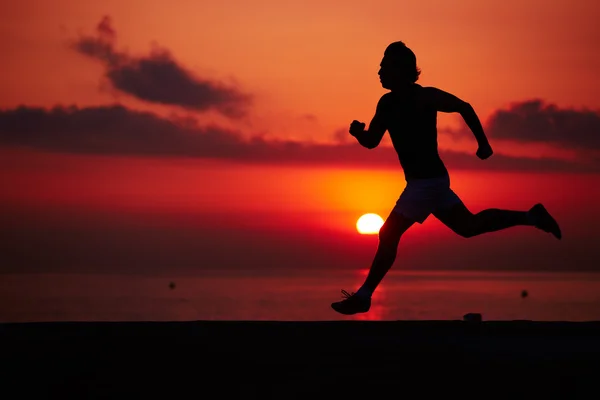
pixel 387 249
pixel 389 237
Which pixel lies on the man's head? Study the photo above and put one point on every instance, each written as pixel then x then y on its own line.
pixel 398 66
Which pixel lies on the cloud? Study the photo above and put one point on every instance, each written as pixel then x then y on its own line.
pixel 158 77
pixel 111 130
pixel 537 121
pixel 117 130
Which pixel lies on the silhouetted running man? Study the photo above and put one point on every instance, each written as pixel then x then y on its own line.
pixel 409 112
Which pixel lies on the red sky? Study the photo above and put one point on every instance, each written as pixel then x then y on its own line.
pixel 215 133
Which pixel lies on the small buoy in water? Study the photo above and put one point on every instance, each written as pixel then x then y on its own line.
pixel 524 294
pixel 172 285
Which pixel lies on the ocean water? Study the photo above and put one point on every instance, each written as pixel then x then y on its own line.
pixel 300 296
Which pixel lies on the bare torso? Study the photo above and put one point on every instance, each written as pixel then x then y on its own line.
pixel 412 124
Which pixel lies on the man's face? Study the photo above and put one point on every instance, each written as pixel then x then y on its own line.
pixel 388 74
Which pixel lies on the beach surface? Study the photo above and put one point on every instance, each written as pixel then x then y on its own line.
pixel 321 359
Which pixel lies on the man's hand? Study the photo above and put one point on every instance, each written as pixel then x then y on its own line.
pixel 484 151
pixel 356 128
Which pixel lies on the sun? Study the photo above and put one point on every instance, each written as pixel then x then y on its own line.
pixel 369 224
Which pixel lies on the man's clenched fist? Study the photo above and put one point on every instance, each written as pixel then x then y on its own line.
pixel 356 128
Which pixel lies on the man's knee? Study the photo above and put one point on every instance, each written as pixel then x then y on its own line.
pixel 466 232
pixel 469 227
pixel 461 221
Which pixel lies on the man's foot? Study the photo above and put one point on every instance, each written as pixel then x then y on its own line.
pixel 352 304
pixel 544 221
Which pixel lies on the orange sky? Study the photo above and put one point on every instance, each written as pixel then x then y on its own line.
pixel 310 68
pixel 315 57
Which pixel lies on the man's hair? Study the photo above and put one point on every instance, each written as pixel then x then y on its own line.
pixel 404 60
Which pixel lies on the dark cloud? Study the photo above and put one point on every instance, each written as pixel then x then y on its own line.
pixel 537 121
pixel 111 130
pixel 122 131
pixel 157 77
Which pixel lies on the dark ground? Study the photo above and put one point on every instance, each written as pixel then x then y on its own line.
pixel 282 360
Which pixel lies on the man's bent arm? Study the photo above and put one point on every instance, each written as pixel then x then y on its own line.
pixel 472 121
pixel 372 137
pixel 446 102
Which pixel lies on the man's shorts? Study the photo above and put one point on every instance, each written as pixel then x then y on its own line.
pixel 422 197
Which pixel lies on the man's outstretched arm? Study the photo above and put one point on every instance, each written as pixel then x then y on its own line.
pixel 446 102
pixel 372 137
